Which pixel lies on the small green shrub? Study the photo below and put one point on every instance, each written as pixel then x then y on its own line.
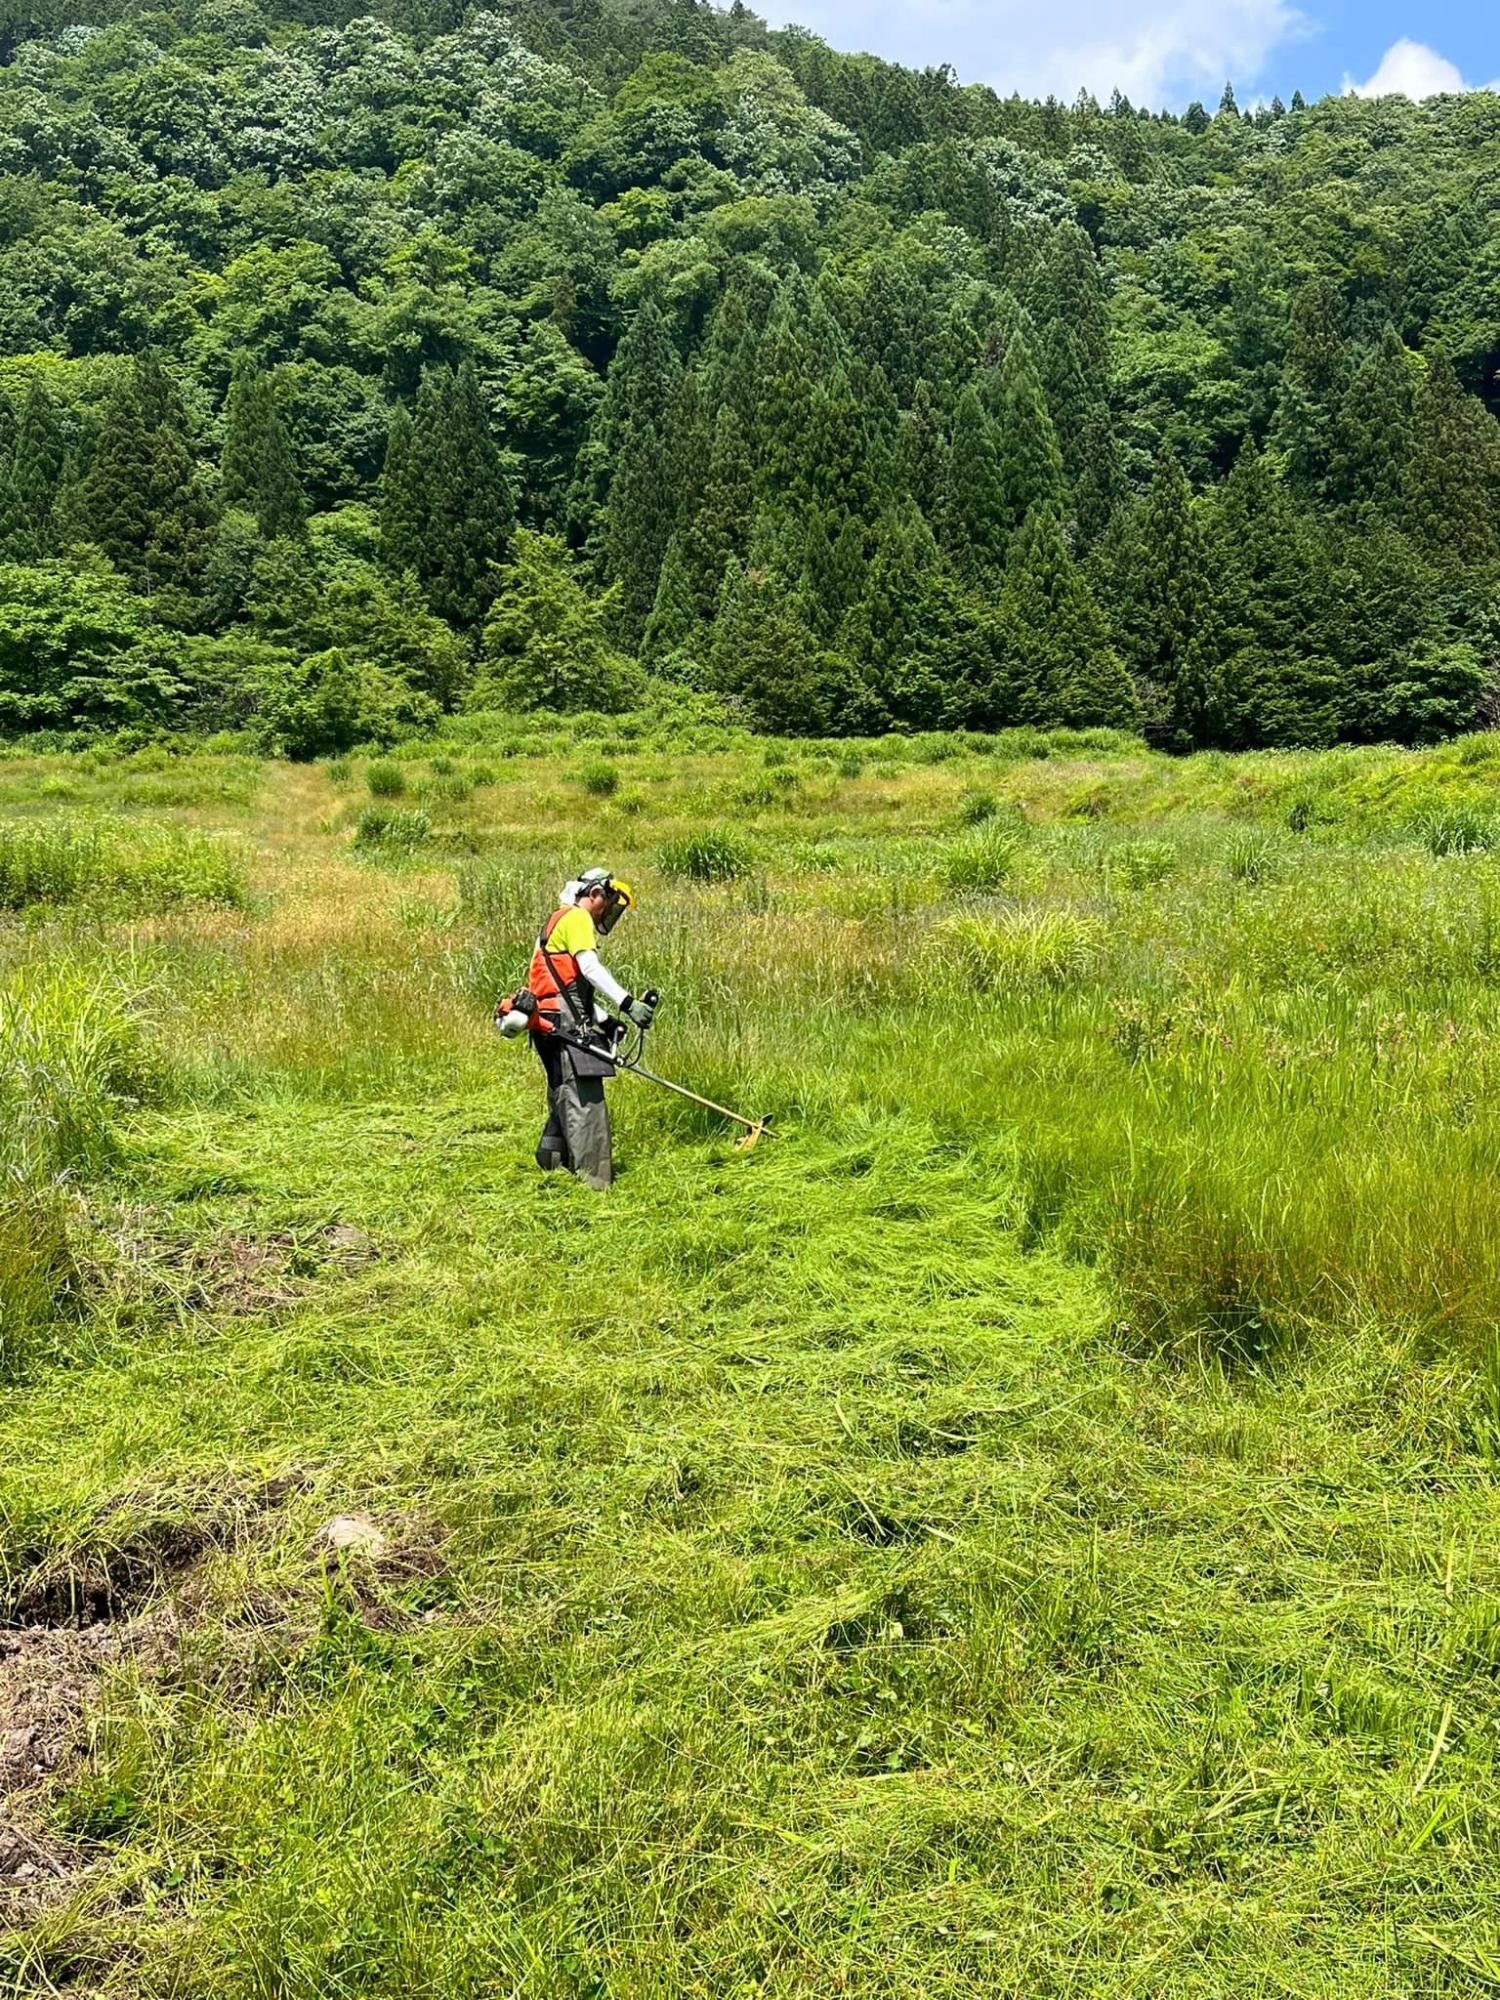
pixel 982 858
pixel 1020 947
pixel 601 780
pixel 976 806
pixel 386 780
pixel 451 789
pixel 814 857
pixel 850 764
pixel 391 830
pixel 1461 829
pixel 1139 863
pixel 716 855
pixel 482 774
pixel 1251 856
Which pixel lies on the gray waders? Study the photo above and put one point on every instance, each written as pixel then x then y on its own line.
pixel 576 1135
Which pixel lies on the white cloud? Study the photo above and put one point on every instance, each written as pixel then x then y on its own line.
pixel 1411 69
pixel 1155 51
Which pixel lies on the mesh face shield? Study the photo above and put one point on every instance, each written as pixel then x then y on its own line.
pixel 619 900
pixel 617 897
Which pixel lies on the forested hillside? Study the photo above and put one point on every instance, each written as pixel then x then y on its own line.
pixel 354 368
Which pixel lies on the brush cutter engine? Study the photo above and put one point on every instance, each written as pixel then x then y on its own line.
pixel 514 1012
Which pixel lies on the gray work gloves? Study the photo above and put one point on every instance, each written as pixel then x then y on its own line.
pixel 640 1012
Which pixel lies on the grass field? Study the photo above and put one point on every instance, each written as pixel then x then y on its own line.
pixel 1029 1529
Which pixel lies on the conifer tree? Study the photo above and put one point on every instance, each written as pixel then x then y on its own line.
pixel 815 590
pixel 1101 486
pixel 975 499
pixel 473 505
pixel 923 454
pixel 1257 327
pixel 1069 292
pixel 642 379
pixel 1264 561
pixel 674 613
pixel 1372 443
pixel 833 572
pixel 729 361
pixel 637 524
pixel 1453 484
pixel 141 501
pixel 1032 472
pixel 721 529
pixel 1008 320
pixel 689 442
pixel 960 353
pixel 1063 667
pixel 846 579
pixel 1312 390
pixel 1443 246
pixel 763 653
pixel 1071 402
pixel 843 469
pixel 827 347
pixel 33 480
pixel 892 327
pixel 402 508
pixel 785 385
pixel 882 446
pixel 898 630
pixel 258 470
pixel 633 420
pixel 447 499
pixel 113 505
pixel 1158 586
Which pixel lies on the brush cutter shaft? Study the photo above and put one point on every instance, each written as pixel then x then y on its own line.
pixel 631 1065
pixel 639 1069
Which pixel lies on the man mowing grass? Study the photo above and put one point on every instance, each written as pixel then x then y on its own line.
pixel 567 1008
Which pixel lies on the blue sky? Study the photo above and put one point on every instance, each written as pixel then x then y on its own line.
pixel 1165 52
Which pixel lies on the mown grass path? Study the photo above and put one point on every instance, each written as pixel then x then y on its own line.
pixel 791 1589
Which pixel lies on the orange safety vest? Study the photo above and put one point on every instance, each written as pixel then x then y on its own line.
pixel 550 973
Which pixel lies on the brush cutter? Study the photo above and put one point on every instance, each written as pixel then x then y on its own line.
pixel 629 1060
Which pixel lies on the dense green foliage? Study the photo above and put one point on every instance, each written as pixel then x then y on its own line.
pixel 865 398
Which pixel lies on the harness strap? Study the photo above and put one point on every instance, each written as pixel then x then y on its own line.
pixel 565 992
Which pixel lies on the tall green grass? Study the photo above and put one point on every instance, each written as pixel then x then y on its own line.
pixel 133 868
pixel 73 1056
